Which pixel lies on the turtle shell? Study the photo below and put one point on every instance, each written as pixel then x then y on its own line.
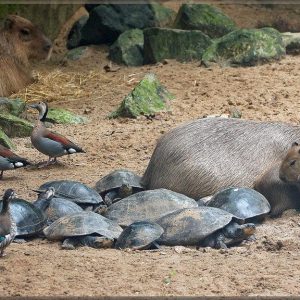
pixel 74 191
pixel 139 235
pixel 190 226
pixel 115 180
pixel 244 203
pixel 59 207
pixel 29 219
pixel 147 206
pixel 82 223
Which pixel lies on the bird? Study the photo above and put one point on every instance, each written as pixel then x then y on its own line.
pixel 8 228
pixel 10 160
pixel 49 142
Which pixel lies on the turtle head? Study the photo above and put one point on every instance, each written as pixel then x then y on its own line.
pixel 125 190
pixel 247 229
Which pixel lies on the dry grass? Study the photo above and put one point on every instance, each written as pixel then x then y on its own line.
pixel 59 85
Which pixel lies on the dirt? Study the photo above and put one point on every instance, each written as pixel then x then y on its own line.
pixel 268 266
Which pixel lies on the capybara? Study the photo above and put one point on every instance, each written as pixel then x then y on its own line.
pixel 20 42
pixel 281 182
pixel 201 157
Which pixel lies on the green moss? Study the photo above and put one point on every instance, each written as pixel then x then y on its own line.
pixel 205 18
pixel 76 53
pixel 246 47
pixel 14 126
pixel 147 98
pixel 62 116
pixel 5 141
pixel 128 48
pixel 12 106
pixel 183 45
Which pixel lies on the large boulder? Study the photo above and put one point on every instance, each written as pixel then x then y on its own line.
pixel 204 17
pixel 62 116
pixel 108 21
pixel 128 49
pixel 147 98
pixel 12 106
pixel 14 126
pixel 75 36
pixel 183 45
pixel 245 47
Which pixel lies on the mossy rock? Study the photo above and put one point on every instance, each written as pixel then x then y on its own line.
pixel 147 98
pixel 206 18
pixel 107 21
pixel 183 45
pixel 128 48
pixel 5 141
pixel 13 106
pixel 245 47
pixel 14 126
pixel 291 41
pixel 62 116
pixel 77 53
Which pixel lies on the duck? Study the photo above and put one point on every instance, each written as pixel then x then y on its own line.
pixel 8 228
pixel 49 142
pixel 9 160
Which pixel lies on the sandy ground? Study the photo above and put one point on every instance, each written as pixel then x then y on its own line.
pixel 268 266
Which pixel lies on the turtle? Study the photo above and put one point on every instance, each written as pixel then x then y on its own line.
pixel 29 219
pixel 203 226
pixel 147 206
pixel 75 191
pixel 54 208
pixel 85 228
pixel 117 185
pixel 139 236
pixel 244 203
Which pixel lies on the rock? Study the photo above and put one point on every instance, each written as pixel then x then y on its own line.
pixel 291 41
pixel 183 45
pixel 108 21
pixel 245 47
pixel 62 116
pixel 205 18
pixel 78 53
pixel 14 126
pixel 5 141
pixel 164 16
pixel 128 48
pixel 12 106
pixel 74 36
pixel 147 98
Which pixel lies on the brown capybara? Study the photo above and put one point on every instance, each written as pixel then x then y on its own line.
pixel 201 157
pixel 20 42
pixel 280 184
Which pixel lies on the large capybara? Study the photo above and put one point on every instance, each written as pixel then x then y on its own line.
pixel 201 157
pixel 20 42
pixel 280 184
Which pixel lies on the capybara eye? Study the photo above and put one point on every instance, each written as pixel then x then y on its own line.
pixel 292 162
pixel 25 31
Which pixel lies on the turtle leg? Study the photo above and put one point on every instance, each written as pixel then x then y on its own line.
pixel 220 241
pixel 96 241
pixel 101 209
pixel 70 244
pixel 110 197
pixel 215 240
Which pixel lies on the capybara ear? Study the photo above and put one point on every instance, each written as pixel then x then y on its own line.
pixel 295 144
pixel 9 22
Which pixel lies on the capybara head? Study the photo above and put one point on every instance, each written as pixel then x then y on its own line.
pixel 290 167
pixel 26 39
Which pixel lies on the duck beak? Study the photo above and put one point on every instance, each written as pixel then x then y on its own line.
pixel 32 106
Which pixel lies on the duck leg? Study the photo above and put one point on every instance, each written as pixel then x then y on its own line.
pixel 50 161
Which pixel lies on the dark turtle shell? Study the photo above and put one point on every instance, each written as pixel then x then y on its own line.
pixel 244 203
pixel 74 191
pixel 139 235
pixel 57 208
pixel 80 224
pixel 147 206
pixel 190 226
pixel 29 219
pixel 115 180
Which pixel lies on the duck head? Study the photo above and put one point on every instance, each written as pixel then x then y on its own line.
pixel 42 108
pixel 8 196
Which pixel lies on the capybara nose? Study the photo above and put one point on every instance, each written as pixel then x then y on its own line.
pixel 48 46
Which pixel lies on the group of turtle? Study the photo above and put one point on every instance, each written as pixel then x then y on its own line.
pixel 119 213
